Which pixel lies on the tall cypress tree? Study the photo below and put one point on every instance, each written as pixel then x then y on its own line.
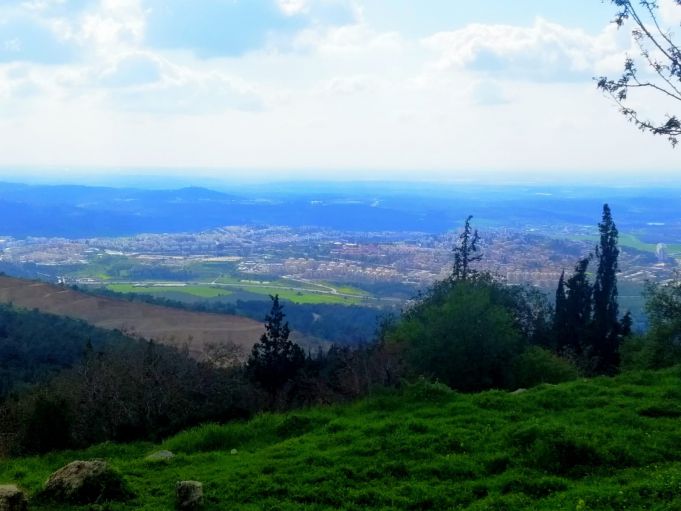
pixel 577 309
pixel 560 315
pixel 606 327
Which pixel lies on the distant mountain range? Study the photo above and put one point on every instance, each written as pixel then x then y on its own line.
pixel 84 211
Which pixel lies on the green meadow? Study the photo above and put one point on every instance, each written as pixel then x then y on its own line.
pixel 307 294
pixel 192 290
pixel 596 444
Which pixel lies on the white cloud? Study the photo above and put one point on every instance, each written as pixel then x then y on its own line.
pixel 114 24
pixel 292 7
pixel 146 82
pixel 347 39
pixel 670 12
pixel 544 51
pixel 340 93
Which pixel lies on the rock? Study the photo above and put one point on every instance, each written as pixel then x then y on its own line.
pixel 160 456
pixel 12 498
pixel 519 391
pixel 85 482
pixel 189 495
pixel 233 451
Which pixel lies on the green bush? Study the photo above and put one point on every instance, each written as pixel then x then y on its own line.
pixel 461 338
pixel 537 365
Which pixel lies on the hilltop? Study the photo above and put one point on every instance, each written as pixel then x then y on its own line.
pixel 591 444
pixel 163 324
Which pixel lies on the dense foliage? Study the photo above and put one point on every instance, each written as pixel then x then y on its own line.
pixel 35 346
pixel 468 334
pixel 660 346
pixel 122 389
pixel 586 322
pixel 339 324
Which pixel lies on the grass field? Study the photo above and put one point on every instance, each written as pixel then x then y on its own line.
pixel 308 293
pixel 303 296
pixel 601 444
pixel 198 290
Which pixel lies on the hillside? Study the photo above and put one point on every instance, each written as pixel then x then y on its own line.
pixel 163 324
pixel 598 444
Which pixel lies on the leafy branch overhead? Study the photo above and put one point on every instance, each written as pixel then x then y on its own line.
pixel 657 68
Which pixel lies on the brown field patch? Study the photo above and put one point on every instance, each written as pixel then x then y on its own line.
pixel 162 324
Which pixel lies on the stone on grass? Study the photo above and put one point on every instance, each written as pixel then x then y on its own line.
pixel 85 482
pixel 189 495
pixel 519 391
pixel 160 456
pixel 233 451
pixel 12 498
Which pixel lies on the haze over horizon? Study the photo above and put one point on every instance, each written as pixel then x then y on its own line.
pixel 337 90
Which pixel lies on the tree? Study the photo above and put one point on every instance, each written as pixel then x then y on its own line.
pixel 661 346
pixel 660 74
pixel 466 252
pixel 606 325
pixel 575 334
pixel 275 360
pixel 464 338
pixel 560 315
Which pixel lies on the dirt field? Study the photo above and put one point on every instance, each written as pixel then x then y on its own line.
pixel 163 324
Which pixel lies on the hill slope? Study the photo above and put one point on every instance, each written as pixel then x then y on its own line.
pixel 597 444
pixel 163 324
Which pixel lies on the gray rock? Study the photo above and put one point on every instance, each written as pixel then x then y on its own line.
pixel 85 482
pixel 160 456
pixel 189 495
pixel 519 391
pixel 12 498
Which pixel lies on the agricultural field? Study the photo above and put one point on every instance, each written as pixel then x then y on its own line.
pixel 587 445
pixel 163 324
pixel 228 286
pixel 191 290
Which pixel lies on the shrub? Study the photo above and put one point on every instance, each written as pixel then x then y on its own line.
pixel 461 337
pixel 537 365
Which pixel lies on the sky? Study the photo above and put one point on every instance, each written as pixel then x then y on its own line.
pixel 322 89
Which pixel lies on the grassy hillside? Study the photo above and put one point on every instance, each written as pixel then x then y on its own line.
pixel 585 445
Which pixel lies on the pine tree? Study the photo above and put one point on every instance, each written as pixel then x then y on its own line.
pixel 606 326
pixel 276 359
pixel 466 252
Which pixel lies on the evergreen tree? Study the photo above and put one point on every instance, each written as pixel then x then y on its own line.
pixel 560 315
pixel 606 326
pixel 575 334
pixel 276 359
pixel 466 252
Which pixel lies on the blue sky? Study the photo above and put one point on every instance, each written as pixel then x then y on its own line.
pixel 420 89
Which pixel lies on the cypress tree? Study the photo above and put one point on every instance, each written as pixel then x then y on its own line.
pixel 560 315
pixel 606 327
pixel 578 309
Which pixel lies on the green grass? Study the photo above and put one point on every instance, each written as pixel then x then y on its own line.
pixel 602 444
pixel 198 291
pixel 207 291
pixel 303 296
